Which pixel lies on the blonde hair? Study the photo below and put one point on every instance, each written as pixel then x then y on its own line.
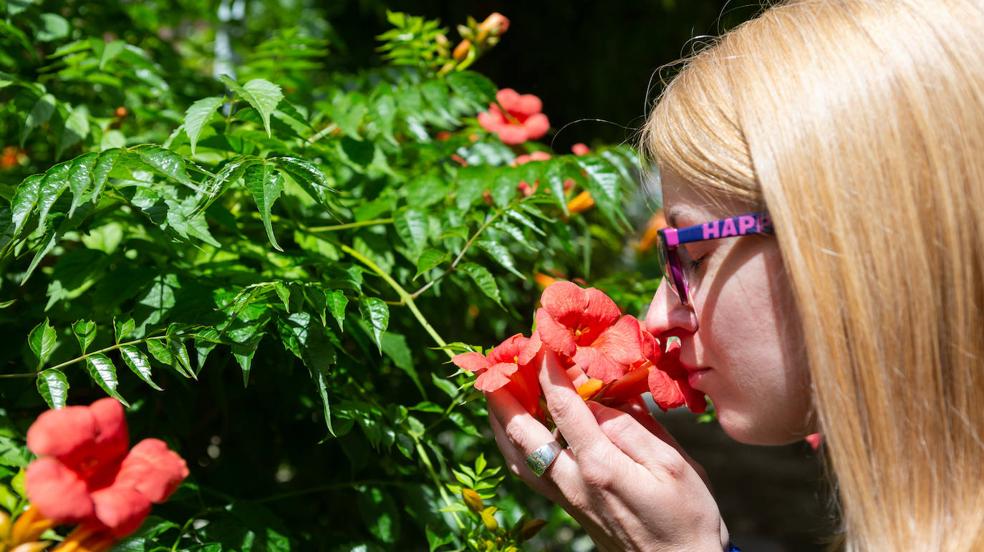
pixel 859 124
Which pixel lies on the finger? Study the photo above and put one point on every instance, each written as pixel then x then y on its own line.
pixel 573 418
pixel 626 433
pixel 517 463
pixel 527 434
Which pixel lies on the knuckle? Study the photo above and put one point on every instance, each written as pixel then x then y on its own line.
pixel 561 407
pixel 675 467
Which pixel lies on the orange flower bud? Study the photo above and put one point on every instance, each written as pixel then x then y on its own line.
pixel 495 24
pixel 121 112
pixel 581 202
pixel 473 500
pixel 651 234
pixel 543 280
pixel 461 50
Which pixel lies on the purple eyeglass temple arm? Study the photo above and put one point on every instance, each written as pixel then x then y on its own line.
pixel 740 225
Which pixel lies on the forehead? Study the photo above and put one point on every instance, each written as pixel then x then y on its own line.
pixel 685 203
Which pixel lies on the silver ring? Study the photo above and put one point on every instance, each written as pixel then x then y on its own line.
pixel 540 459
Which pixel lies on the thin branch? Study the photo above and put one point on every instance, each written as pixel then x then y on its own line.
pixel 460 256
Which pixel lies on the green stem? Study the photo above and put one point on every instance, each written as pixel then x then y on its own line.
pixel 425 458
pixel 460 256
pixel 405 297
pixel 114 347
pixel 322 133
pixel 348 225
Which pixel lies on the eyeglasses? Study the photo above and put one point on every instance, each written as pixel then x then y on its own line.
pixel 671 239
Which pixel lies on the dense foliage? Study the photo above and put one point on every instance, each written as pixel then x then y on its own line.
pixel 271 261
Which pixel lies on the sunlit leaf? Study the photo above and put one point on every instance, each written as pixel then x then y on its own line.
pixel 262 95
pixel 43 339
pixel 138 363
pixel 103 372
pixel 53 387
pixel 197 115
pixel 266 184
pixel 376 312
pixel 85 333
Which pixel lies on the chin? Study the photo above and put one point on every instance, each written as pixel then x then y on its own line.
pixel 755 430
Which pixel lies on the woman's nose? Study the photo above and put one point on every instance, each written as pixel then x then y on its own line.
pixel 666 313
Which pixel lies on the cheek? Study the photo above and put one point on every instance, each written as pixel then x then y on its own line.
pixel 750 335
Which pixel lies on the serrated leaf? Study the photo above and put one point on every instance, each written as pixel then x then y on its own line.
pixel 123 329
pixel 307 175
pixel 483 279
pixel 100 173
pixel 79 179
pixel 603 183
pixel 266 184
pixel 166 162
pixel 473 87
pixel 24 201
pixel 103 372
pixel 262 95
pixel 176 346
pixel 42 341
pixel 138 363
pixel 55 182
pixel 336 302
pixel 85 332
pixel 53 387
pixel 160 352
pixel 375 311
pixel 197 115
pixel 501 255
pixel 430 259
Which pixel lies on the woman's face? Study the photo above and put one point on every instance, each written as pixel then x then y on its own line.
pixel 742 325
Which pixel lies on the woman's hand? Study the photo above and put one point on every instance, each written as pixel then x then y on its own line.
pixel 629 488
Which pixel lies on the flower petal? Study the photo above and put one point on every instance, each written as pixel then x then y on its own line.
pixel 565 301
pixel 666 392
pixel 112 439
pixel 622 342
pixel 599 313
pixel 512 135
pixel 555 335
pixel 536 126
pixel 153 470
pixel 471 361
pixel 120 508
pixel 527 105
pixel 507 97
pixel 491 120
pixel 62 432
pixel 532 347
pixel 57 491
pixel 495 377
pixel 509 350
pixel 598 365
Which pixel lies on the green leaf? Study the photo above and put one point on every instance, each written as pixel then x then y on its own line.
pixel 262 95
pixel 197 115
pixel 24 201
pixel 380 514
pixel 42 340
pixel 376 312
pixel 430 259
pixel 166 162
pixel 102 371
pixel 501 255
pixel 75 130
pixel 100 173
pixel 307 175
pixel 395 347
pixel 603 183
pixel 411 225
pixel 473 87
pixel 53 387
pixel 85 332
pixel 483 279
pixel 175 344
pixel 160 352
pixel 53 27
pixel 138 363
pixel 79 179
pixel 265 183
pixel 337 301
pixel 123 329
pixel 39 115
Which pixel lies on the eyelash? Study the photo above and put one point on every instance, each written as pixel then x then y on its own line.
pixel 695 264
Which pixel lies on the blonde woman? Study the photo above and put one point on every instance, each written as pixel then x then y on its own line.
pixel 857 127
